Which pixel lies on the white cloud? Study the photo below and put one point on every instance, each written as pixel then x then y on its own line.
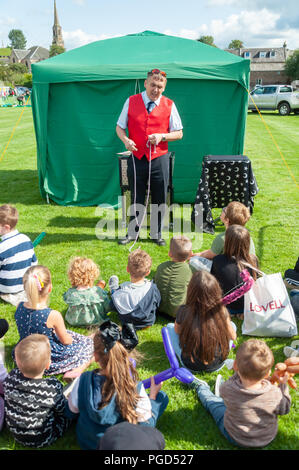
pixel 77 38
pixel 257 28
pixel 7 20
pixel 246 23
pixel 183 33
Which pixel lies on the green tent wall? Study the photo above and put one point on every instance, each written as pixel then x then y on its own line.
pixel 78 96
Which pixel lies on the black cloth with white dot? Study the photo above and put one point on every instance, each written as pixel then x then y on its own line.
pixel 224 178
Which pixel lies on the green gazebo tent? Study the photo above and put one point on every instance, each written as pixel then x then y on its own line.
pixel 78 96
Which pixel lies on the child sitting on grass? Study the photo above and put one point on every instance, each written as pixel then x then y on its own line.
pixel 16 256
pixel 34 407
pixel 235 213
pixel 112 394
pixel 70 352
pixel 172 277
pixel 235 258
pixel 246 412
pixel 202 334
pixel 136 301
pixel 3 372
pixel 87 304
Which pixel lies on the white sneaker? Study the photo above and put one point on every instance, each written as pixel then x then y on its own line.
pixel 290 352
pixel 113 283
pixel 197 383
pixel 219 381
pixel 229 363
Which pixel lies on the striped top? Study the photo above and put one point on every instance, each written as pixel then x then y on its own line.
pixel 16 256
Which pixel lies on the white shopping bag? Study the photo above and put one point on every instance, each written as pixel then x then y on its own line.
pixel 267 309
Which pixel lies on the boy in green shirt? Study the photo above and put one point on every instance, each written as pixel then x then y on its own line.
pixel 235 213
pixel 172 277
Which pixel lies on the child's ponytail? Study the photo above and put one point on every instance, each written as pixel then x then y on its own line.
pixel 121 375
pixel 36 281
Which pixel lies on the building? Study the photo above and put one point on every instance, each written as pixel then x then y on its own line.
pixel 57 30
pixel 29 56
pixel 266 64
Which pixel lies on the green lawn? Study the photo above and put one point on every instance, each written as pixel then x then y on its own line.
pixel 71 231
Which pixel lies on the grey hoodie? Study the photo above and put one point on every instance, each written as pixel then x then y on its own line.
pixel 137 303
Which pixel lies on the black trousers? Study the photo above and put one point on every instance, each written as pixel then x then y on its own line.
pixel 159 181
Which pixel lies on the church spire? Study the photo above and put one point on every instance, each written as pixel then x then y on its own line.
pixel 57 30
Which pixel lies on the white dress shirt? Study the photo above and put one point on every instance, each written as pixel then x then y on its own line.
pixel 175 123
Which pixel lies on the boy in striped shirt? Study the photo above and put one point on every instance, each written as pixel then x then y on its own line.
pixel 16 256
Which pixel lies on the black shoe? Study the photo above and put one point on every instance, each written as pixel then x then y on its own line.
pixel 159 241
pixel 126 240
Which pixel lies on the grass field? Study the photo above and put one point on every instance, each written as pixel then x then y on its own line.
pixel 71 231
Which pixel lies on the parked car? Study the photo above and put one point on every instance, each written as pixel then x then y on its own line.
pixel 271 97
pixel 20 90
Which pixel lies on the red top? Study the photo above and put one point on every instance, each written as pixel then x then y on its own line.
pixel 141 124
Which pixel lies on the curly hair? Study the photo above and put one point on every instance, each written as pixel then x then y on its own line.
pixel 139 263
pixel 82 272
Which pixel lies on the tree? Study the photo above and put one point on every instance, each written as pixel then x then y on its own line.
pixel 28 80
pixel 18 68
pixel 236 44
pixel 55 50
pixel 17 39
pixel 207 40
pixel 291 67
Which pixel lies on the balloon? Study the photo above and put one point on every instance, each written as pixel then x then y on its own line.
pixel 38 239
pixel 240 291
pixel 182 374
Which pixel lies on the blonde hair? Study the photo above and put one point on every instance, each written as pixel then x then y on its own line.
pixel 33 354
pixel 9 215
pixel 121 378
pixel 36 281
pixel 237 213
pixel 180 247
pixel 139 263
pixel 254 359
pixel 82 272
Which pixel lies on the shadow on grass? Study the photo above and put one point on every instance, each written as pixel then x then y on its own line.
pixel 20 187
pixel 73 222
pixel 57 238
pixel 262 237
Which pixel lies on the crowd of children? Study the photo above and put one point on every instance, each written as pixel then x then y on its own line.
pixel 37 410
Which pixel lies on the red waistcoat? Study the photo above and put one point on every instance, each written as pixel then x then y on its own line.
pixel 141 125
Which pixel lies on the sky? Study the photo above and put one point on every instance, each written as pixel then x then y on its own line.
pixel 257 23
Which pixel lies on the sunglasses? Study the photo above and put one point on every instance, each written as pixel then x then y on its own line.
pixel 161 72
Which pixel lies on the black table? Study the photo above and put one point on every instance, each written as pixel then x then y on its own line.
pixel 224 178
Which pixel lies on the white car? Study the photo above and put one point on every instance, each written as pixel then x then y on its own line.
pixel 271 97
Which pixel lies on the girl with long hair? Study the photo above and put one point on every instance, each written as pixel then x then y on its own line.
pixel 111 394
pixel 71 352
pixel 236 257
pixel 202 334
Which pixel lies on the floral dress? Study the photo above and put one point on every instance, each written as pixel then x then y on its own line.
pixel 64 357
pixel 86 306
